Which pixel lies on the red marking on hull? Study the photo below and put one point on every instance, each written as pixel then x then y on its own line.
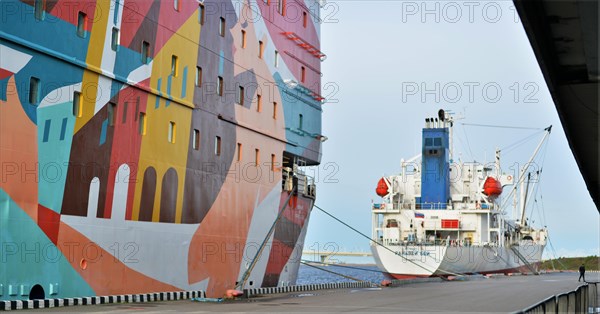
pixel 5 73
pixel 49 222
pixel 404 276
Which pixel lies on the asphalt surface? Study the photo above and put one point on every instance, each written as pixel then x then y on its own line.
pixel 500 294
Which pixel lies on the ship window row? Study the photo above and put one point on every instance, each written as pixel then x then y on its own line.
pixel 82 21
pixel 436 141
pixel 77 110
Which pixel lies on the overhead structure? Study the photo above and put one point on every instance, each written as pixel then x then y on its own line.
pixel 564 38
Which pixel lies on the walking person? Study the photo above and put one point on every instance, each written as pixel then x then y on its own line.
pixel 581 273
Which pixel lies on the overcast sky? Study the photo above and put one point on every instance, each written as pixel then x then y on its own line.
pixel 388 61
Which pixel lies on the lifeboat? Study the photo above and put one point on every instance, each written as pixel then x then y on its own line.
pixel 382 187
pixel 492 187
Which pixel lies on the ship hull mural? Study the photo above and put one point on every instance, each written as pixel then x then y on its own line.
pixel 151 145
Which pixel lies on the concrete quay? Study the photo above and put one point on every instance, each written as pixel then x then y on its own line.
pixel 499 294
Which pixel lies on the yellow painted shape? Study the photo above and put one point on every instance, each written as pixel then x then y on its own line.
pixel 89 86
pixel 156 150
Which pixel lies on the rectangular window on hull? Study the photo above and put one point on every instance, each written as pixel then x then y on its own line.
pixel 304 19
pixel 302 74
pixel 276 61
pixel 112 109
pixel 222 27
pixel 300 121
pixel 142 124
pixel 218 146
pixel 243 38
pixel 198 76
pixel 274 110
pixel 77 105
pixel 260 49
pixel 196 139
pixel 114 43
pixel 220 86
pixel 172 132
pixel 240 96
pixel 34 90
pixel 39 6
pixel 81 22
pixel 256 157
pixel 258 103
pixel 272 162
pixel 239 152
pixel 174 64
pixel 201 13
pixel 145 52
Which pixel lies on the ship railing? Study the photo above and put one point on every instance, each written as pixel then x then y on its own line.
pixel 306 184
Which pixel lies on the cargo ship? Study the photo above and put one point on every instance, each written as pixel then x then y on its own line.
pixel 440 217
pixel 152 146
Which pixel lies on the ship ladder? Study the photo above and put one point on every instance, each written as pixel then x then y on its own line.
pixel 523 259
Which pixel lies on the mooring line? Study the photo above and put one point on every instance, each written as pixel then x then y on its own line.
pixel 383 246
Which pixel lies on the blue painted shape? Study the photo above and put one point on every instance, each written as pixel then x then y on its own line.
pixel 103 131
pixel 56 153
pixel 3 87
pixel 169 81
pixel 306 145
pixel 158 83
pixel 47 130
pixel 36 259
pixel 435 180
pixel 63 129
pixel 221 62
pixel 41 36
pixel 116 17
pixel 184 82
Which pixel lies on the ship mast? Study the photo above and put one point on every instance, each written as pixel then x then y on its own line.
pixel 522 175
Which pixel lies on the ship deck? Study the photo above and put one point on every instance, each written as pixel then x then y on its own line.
pixel 494 294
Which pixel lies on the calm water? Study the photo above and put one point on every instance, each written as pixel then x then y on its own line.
pixel 310 275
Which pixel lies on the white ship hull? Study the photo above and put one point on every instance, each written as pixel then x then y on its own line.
pixel 411 261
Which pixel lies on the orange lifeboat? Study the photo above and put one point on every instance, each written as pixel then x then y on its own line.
pixel 492 187
pixel 382 187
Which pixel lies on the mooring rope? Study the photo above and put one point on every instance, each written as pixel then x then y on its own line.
pixel 383 246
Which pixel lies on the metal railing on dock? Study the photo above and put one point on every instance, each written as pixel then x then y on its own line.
pixel 584 299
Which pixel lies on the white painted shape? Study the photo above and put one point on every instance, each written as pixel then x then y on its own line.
pixel 12 60
pixel 60 95
pixel 103 92
pixel 153 249
pixel 119 204
pixel 263 217
pixel 108 55
pixel 92 209
pixel 140 74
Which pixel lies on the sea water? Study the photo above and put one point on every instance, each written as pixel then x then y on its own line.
pixel 325 274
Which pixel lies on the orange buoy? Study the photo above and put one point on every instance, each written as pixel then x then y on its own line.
pixel 382 187
pixel 232 293
pixel 492 187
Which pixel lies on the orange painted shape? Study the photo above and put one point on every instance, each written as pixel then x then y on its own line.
pixel 18 153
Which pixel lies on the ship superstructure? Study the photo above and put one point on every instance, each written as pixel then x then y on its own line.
pixel 440 217
pixel 151 145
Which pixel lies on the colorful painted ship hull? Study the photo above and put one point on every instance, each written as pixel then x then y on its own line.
pixel 151 145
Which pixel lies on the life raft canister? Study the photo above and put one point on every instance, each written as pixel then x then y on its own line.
pixel 382 188
pixel 492 187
